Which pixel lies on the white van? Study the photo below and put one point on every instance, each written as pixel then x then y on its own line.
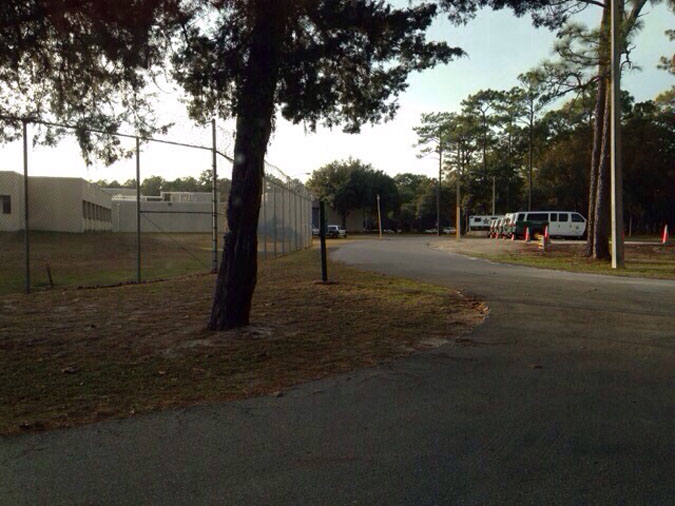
pixel 567 224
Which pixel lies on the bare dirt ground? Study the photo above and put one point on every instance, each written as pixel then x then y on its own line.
pixel 76 356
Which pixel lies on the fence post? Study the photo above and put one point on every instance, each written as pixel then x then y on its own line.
pixel 264 204
pixel 308 225
pixel 138 210
pixel 214 210
pixel 274 214
pixel 283 222
pixel 322 236
pixel 295 220
pixel 26 240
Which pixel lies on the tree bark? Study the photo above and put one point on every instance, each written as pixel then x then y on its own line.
pixel 603 196
pixel 238 269
pixel 529 160
pixel 595 163
pixel 600 107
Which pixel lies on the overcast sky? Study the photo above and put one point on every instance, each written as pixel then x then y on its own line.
pixel 499 47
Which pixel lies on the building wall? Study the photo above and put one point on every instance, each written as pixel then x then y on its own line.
pixel 55 204
pixel 99 202
pixel 63 204
pixel 11 185
pixel 167 216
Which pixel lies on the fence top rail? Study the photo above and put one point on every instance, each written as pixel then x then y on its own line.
pixel 24 119
pixel 105 132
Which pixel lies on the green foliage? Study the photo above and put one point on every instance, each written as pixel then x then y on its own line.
pixel 83 63
pixel 349 185
pixel 649 165
pixel 343 62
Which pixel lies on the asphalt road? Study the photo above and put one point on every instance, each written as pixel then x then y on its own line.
pixel 564 396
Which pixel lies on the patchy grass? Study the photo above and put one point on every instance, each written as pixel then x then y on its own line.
pixel 642 260
pixel 104 258
pixel 76 356
pixel 96 258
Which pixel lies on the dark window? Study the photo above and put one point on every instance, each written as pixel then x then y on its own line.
pixel 84 209
pixel 554 217
pixel 577 218
pixel 6 204
pixel 562 216
pixel 477 220
pixel 521 216
pixel 537 217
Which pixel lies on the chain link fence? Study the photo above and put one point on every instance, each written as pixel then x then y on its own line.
pixel 72 228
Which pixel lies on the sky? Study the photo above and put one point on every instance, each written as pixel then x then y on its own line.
pixel 499 46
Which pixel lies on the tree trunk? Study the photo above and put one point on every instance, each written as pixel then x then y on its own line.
pixel 600 106
pixel 529 161
pixel 595 163
pixel 603 196
pixel 237 275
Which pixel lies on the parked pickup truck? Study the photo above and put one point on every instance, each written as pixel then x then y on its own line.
pixel 335 231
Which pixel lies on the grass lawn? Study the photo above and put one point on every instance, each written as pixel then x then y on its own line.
pixel 78 356
pixel 642 260
pixel 104 258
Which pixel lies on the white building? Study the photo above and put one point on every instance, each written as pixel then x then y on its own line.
pixel 63 204
pixel 56 204
pixel 168 212
pixel 11 202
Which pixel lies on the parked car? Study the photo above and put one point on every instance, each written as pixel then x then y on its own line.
pixel 449 230
pixel 335 232
pixel 316 231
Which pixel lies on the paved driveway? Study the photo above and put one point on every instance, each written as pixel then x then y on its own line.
pixel 564 396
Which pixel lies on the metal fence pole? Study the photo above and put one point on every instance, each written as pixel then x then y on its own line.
pixel 264 209
pixel 296 226
pixel 322 237
pixel 214 210
pixel 26 240
pixel 283 222
pixel 274 215
pixel 138 210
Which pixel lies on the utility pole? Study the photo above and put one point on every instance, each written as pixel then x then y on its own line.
pixel 494 193
pixel 615 136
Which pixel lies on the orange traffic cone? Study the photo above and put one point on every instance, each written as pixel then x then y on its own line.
pixel 547 239
pixel 527 235
pixel 665 237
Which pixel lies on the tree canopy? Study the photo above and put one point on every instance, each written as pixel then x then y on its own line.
pixel 351 185
pixel 81 62
pixel 340 62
